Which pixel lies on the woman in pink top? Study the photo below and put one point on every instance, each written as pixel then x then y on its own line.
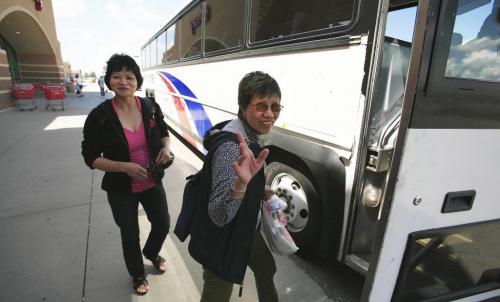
pixel 125 137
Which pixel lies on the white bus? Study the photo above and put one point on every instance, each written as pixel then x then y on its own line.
pixel 387 150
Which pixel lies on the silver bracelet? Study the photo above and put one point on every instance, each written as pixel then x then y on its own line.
pixel 237 191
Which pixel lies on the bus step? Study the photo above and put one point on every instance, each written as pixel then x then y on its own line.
pixel 357 263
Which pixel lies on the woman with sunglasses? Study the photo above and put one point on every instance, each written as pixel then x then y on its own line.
pixel 226 237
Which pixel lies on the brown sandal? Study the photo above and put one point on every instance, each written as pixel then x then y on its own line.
pixel 140 282
pixel 160 264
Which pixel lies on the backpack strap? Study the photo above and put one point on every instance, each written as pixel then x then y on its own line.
pixel 223 137
pixel 150 107
pixel 103 117
pixel 206 170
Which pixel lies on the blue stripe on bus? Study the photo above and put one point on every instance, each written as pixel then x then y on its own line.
pixel 200 117
pixel 196 110
pixel 179 85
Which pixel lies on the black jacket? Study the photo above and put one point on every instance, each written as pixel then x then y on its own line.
pixel 103 135
pixel 225 251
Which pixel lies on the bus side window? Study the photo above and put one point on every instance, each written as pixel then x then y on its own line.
pixel 172 52
pixel 154 53
pixel 392 76
pixel 328 14
pixel 475 57
pixel 465 61
pixel 191 33
pixel 268 19
pixel 224 21
pixel 162 48
pixel 281 18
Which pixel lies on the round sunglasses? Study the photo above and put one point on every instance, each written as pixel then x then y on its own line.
pixel 262 106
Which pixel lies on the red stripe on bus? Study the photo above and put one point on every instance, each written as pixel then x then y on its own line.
pixel 181 111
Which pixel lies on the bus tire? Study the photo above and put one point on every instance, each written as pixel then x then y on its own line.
pixel 304 209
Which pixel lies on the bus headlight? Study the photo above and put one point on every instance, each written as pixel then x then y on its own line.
pixel 371 196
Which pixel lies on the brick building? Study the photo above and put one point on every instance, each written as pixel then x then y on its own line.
pixel 29 49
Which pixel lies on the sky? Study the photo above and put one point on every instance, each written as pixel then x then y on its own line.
pixel 90 31
pixel 467 24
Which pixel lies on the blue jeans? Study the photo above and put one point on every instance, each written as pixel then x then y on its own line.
pixel 125 212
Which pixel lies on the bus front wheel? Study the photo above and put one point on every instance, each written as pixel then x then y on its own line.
pixel 303 212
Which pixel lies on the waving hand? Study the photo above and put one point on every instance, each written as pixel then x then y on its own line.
pixel 247 165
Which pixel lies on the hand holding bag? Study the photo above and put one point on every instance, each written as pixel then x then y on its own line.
pixel 158 170
pixel 155 168
pixel 273 228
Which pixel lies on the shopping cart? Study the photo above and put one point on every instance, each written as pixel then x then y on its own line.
pixel 25 96
pixel 54 97
pixel 39 87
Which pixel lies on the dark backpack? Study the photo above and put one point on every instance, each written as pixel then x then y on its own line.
pixel 197 189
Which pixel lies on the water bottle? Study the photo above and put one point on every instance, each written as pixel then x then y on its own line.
pixel 276 206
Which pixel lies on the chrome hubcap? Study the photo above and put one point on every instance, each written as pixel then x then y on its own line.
pixel 290 190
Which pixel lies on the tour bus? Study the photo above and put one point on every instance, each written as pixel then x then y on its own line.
pixel 387 150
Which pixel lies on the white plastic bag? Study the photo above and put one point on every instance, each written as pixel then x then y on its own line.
pixel 273 228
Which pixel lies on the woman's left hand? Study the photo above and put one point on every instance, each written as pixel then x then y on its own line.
pixel 247 165
pixel 163 155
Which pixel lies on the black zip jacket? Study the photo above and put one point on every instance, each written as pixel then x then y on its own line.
pixel 225 251
pixel 103 135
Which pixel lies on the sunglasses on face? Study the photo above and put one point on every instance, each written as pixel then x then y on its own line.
pixel 262 106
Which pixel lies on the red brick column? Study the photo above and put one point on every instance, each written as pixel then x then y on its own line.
pixel 6 97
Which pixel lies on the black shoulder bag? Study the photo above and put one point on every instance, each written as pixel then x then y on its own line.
pixel 157 168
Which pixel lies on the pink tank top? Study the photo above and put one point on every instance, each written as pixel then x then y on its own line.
pixel 139 154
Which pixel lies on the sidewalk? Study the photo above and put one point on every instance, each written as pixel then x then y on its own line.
pixel 59 240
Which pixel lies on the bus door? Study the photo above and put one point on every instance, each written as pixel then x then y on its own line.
pixel 438 231
pixel 393 43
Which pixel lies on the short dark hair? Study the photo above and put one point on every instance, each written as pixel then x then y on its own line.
pixel 256 83
pixel 117 62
